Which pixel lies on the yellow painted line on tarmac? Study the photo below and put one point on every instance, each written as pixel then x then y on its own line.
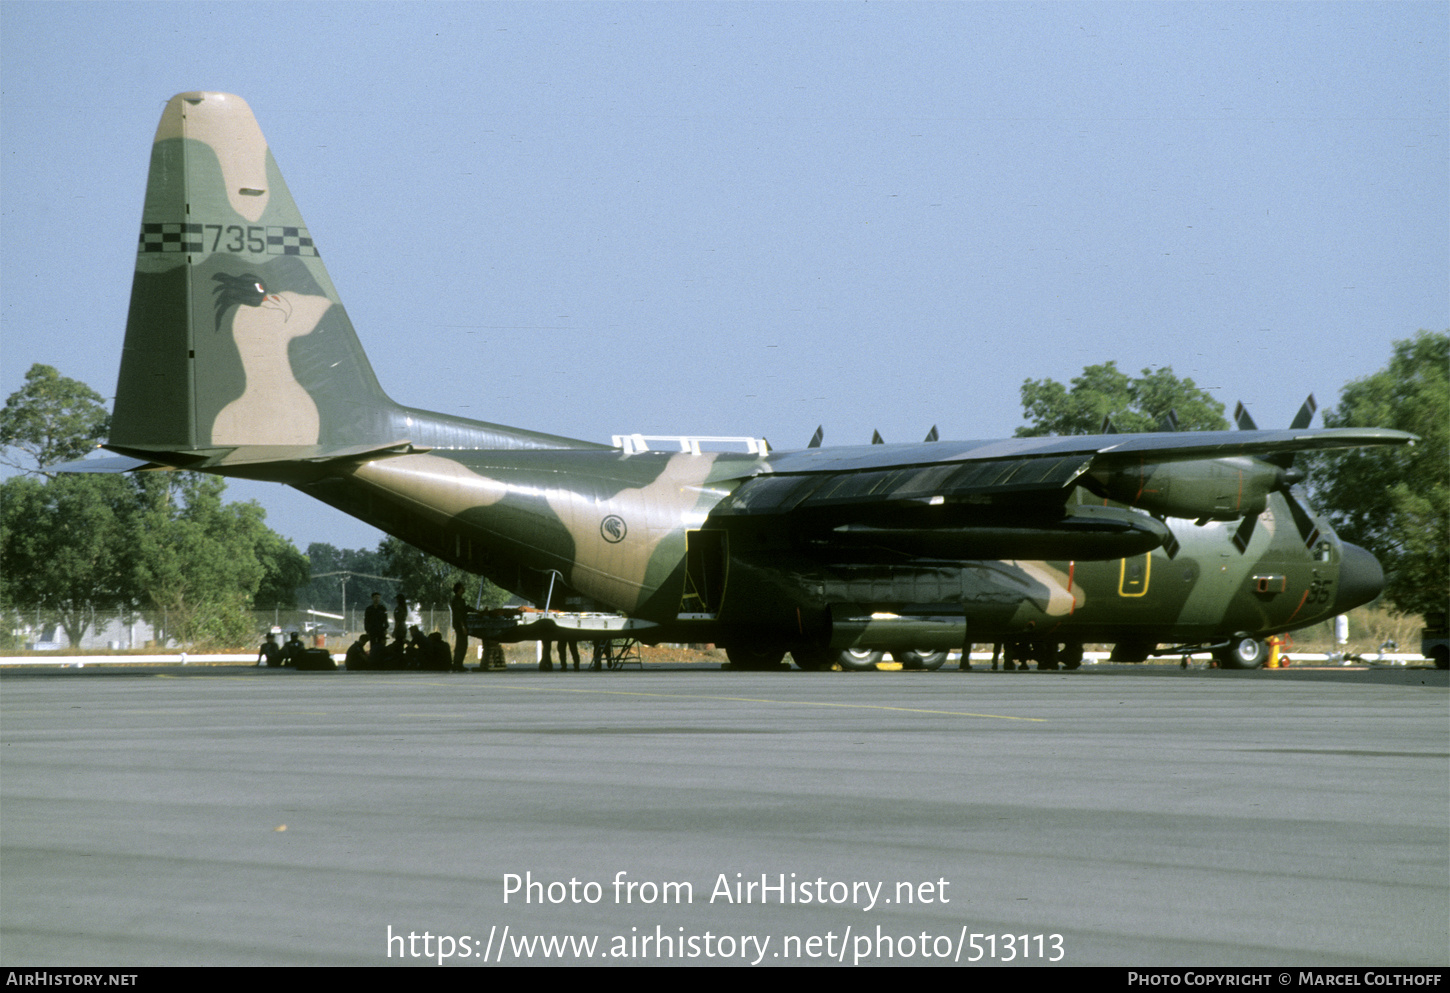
pixel 783 703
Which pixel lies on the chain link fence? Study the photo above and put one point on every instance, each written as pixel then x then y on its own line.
pixel 121 629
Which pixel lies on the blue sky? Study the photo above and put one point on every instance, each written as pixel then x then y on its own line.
pixel 602 218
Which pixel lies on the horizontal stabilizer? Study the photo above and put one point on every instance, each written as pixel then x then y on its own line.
pixel 218 459
pixel 110 463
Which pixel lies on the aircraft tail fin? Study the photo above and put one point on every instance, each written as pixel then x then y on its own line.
pixel 236 339
pixel 235 333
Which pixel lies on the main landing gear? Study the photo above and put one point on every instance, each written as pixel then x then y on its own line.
pixel 1018 654
pixel 865 659
pixel 1241 652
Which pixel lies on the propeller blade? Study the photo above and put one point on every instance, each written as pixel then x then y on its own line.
pixel 1169 422
pixel 1305 415
pixel 876 438
pixel 1108 426
pixel 1245 532
pixel 1303 520
pixel 932 435
pixel 1242 418
pixel 1300 422
pixel 817 437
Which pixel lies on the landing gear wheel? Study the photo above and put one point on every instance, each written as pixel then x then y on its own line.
pixel 1241 653
pixel 858 660
pixel 754 657
pixel 915 660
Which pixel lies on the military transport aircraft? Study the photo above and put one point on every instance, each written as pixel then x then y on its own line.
pixel 240 360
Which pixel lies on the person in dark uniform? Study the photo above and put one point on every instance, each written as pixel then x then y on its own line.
pixel 547 654
pixel 357 656
pixel 435 654
pixel 375 623
pixel 400 624
pixel 573 650
pixel 292 651
pixel 459 610
pixel 270 653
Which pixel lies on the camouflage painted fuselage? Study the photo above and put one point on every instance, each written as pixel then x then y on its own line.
pixel 617 529
pixel 241 360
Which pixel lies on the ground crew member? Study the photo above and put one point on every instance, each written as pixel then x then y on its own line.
pixel 459 610
pixel 375 623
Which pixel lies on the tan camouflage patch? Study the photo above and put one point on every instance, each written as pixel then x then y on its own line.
pixel 225 123
pixel 274 409
pixel 1061 601
pixel 441 484
pixel 616 571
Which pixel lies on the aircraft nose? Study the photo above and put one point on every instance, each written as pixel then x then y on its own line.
pixel 1360 578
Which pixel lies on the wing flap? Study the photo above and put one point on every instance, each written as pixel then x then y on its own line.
pixel 917 485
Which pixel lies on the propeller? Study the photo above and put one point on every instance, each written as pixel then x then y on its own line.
pixel 876 438
pixel 932 435
pixel 817 437
pixel 1303 521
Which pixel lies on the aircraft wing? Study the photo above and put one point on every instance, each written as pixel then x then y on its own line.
pixel 1105 449
pixel 1012 468
pixel 1010 498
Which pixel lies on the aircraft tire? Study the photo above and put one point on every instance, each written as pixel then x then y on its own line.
pixel 1242 653
pixel 754 657
pixel 918 661
pixel 858 659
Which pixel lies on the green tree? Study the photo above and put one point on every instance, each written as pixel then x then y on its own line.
pixel 285 572
pixel 64 547
pixel 344 577
pixel 162 541
pixel 50 419
pixel 428 581
pixel 1134 405
pixel 1396 501
pixel 63 551
pixel 199 560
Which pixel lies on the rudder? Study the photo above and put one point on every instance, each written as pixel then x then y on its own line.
pixel 235 334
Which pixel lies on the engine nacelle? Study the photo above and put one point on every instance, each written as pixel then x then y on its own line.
pixel 1218 489
pixel 1084 532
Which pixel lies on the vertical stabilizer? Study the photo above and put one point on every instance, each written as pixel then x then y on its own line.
pixel 235 334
